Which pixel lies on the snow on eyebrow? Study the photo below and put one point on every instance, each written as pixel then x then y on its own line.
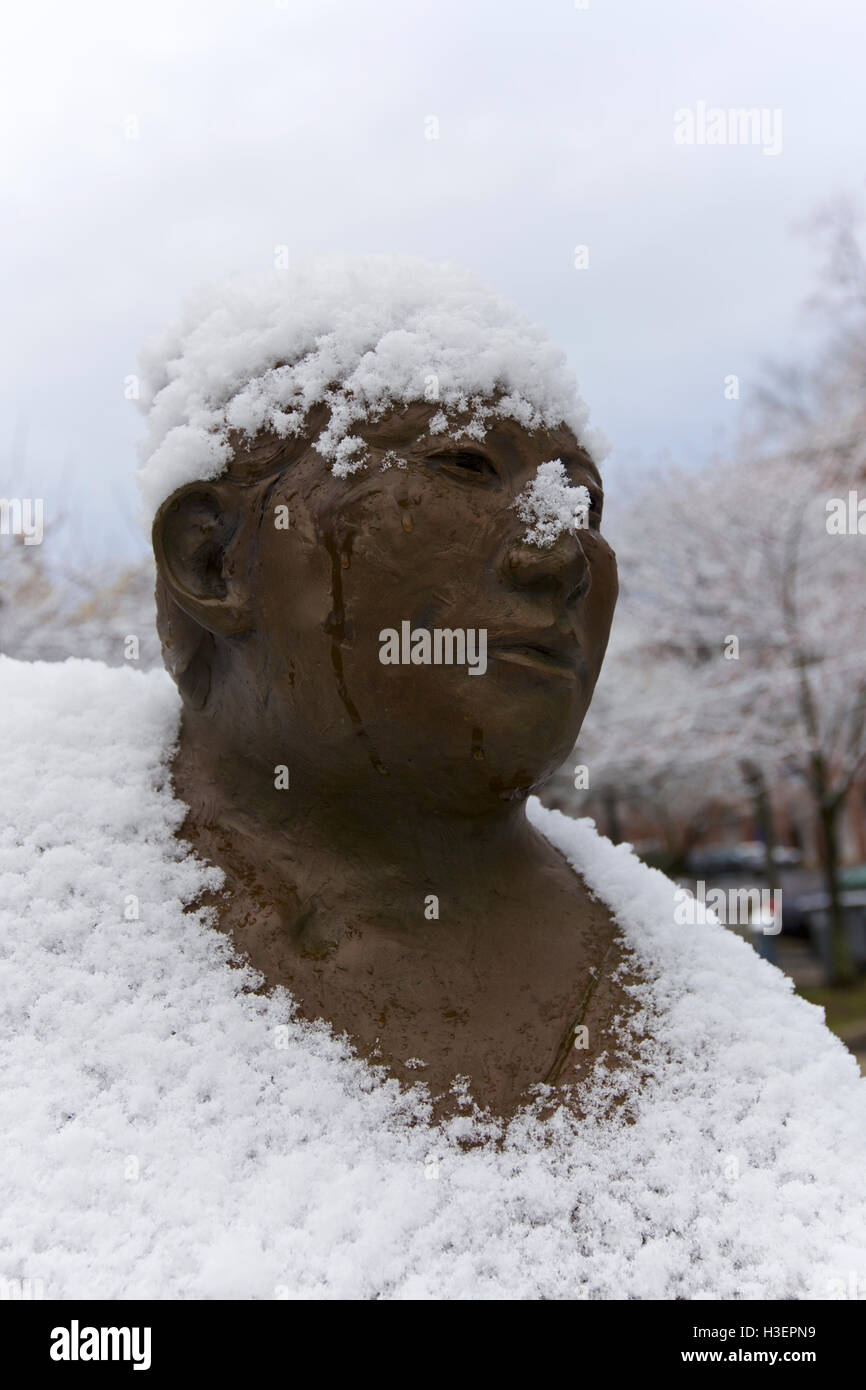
pixel 551 505
pixel 362 335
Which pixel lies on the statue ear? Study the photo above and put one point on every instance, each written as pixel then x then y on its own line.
pixel 192 536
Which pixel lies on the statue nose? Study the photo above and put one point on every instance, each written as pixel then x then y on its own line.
pixel 562 566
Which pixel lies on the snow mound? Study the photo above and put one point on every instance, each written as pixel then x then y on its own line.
pixel 169 1133
pixel 359 334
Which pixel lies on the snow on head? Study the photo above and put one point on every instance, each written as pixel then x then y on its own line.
pixel 359 335
pixel 551 505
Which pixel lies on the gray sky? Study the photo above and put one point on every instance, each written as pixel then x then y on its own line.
pixel 260 126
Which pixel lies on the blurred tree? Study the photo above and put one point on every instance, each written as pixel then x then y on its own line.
pixel 48 616
pixel 739 653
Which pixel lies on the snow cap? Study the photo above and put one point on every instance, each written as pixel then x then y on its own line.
pixel 361 334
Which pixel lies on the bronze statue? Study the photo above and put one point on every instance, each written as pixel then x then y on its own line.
pixel 369 811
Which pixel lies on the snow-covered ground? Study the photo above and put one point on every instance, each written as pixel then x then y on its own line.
pixel 169 1133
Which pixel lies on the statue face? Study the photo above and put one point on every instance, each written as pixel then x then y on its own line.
pixel 436 545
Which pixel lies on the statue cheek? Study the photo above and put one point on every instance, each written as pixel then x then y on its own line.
pixel 605 577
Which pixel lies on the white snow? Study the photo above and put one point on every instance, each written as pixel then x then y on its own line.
pixel 361 334
pixel 551 505
pixel 272 1163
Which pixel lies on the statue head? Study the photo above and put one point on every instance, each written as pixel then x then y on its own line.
pixel 390 569
pixel 385 599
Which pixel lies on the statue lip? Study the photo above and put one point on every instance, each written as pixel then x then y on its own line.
pixel 549 650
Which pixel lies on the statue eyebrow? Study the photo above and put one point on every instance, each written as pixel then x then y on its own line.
pixel 388 435
pixel 392 430
pixel 384 437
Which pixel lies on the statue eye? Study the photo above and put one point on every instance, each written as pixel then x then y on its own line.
pixel 467 461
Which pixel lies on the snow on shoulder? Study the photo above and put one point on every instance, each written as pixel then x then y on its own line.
pixel 171 1133
pixel 359 334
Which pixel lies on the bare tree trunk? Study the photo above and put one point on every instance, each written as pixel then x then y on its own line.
pixel 828 803
pixel 760 793
pixel 841 966
pixel 612 816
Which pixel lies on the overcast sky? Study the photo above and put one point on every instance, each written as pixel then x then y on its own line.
pixel 257 124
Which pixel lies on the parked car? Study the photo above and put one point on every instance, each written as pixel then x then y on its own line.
pixel 747 856
pixel 808 914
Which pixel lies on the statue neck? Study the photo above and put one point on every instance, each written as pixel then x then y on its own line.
pixel 467 942
pixel 354 834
